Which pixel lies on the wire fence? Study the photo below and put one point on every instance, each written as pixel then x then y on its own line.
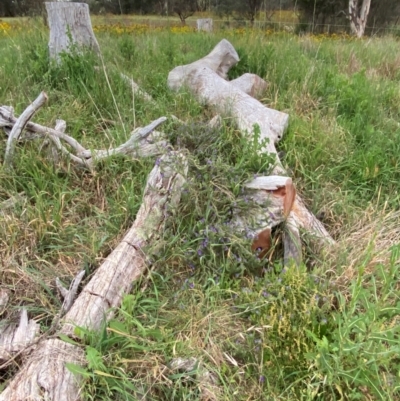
pixel 289 26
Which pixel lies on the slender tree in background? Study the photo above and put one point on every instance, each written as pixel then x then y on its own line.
pixel 358 14
pixel 183 8
pixel 7 8
pixel 242 9
pixel 384 13
pixel 316 14
pixel 203 5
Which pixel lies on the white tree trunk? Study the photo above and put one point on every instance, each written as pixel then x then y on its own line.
pixel 69 25
pixel 358 16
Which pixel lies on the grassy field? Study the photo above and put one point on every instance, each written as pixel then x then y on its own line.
pixel 328 330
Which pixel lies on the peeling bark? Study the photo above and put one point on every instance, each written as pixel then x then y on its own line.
pixel 358 15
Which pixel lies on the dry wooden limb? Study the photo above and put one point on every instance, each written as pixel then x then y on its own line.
pixel 70 26
pixel 206 380
pixel 4 297
pixel 132 145
pixel 140 144
pixel 19 125
pixel 7 112
pixel 60 128
pixel 44 376
pixel 54 148
pixel 220 60
pixel 16 337
pixel 127 262
pixel 31 127
pixel 70 294
pixel 12 202
pixel 251 84
pixel 136 89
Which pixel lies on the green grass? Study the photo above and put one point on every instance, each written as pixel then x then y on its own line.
pixel 326 331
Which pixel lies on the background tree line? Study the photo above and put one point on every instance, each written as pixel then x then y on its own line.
pixel 313 15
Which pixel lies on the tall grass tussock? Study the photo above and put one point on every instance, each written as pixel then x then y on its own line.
pixel 328 330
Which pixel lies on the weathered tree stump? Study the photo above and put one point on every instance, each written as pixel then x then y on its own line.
pixel 69 25
pixel 205 25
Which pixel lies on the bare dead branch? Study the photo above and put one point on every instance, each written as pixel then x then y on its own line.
pixel 12 202
pixel 136 89
pixel 70 294
pixel 20 125
pixel 137 145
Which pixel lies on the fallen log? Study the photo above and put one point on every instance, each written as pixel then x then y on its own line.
pixel 19 125
pixel 204 79
pixel 10 203
pixel 220 60
pixel 45 376
pixel 228 100
pixel 136 89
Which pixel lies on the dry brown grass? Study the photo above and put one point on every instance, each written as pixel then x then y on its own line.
pixel 368 244
pixel 390 68
pixel 25 276
pixel 354 64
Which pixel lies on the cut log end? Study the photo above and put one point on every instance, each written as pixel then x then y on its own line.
pixel 262 243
